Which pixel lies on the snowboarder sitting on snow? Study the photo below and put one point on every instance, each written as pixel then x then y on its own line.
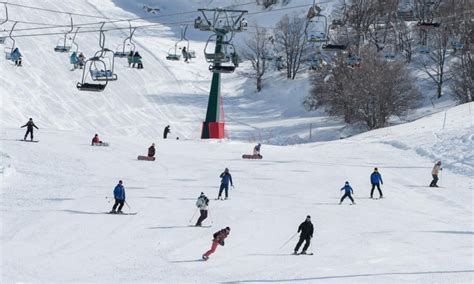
pixel 96 140
pixel 256 149
pixel 306 228
pixel 348 192
pixel 202 203
pixel 226 177
pixel 166 132
pixel 29 128
pixel 376 180
pixel 151 150
pixel 434 173
pixel 219 238
pixel 119 195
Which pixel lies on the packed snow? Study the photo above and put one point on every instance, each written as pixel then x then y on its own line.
pixel 55 193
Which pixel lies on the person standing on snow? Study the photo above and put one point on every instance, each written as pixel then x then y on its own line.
pixel 434 173
pixel 166 132
pixel 219 238
pixel 151 150
pixel 226 177
pixel 306 228
pixel 348 193
pixel 376 180
pixel 119 195
pixel 202 203
pixel 29 128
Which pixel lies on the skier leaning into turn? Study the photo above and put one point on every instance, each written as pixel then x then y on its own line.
pixel 306 228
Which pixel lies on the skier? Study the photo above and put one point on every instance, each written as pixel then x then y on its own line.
pixel 29 128
pixel 219 238
pixel 306 228
pixel 137 59
pixel 151 150
pixel 376 180
pixel 226 177
pixel 348 193
pixel 256 149
pixel 166 132
pixel 185 54
pixel 74 59
pixel 202 203
pixel 434 173
pixel 16 57
pixel 130 58
pixel 119 195
pixel 96 140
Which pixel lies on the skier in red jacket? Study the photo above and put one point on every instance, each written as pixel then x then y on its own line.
pixel 218 240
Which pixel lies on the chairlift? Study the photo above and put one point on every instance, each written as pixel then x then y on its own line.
pixel 173 54
pixel 457 45
pixel 216 57
pixel 120 51
pixel 9 49
pixel 427 25
pixel 423 49
pixel 334 46
pixel 243 25
pixel 317 30
pixel 202 24
pixel 62 46
pixel 103 74
pixel 92 64
pixel 354 60
pixel 232 58
pixel 4 38
pixel 188 52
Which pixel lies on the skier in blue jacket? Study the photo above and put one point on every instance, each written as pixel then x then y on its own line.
pixel 376 180
pixel 16 57
pixel 119 195
pixel 348 193
pixel 226 177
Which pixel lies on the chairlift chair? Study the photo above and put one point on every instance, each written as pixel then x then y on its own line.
pixel 232 57
pixel 216 57
pixel 427 25
pixel 423 49
pixel 173 54
pixel 202 24
pixel 317 33
pixel 94 63
pixel 354 60
pixel 120 51
pixel 457 45
pixel 62 45
pixel 107 73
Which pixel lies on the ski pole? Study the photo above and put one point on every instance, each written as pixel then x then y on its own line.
pixel 210 217
pixel 128 206
pixel 288 240
pixel 195 211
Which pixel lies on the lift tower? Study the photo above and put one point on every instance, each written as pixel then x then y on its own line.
pixel 223 23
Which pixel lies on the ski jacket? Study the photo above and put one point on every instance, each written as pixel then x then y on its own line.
pixel 220 235
pixel 16 54
pixel 167 131
pixel 257 147
pixel 151 151
pixel 119 192
pixel 29 125
pixel 436 169
pixel 73 58
pixel 306 228
pixel 348 189
pixel 202 202
pixel 226 178
pixel 376 178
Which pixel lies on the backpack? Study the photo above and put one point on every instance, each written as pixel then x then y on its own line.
pixel 206 200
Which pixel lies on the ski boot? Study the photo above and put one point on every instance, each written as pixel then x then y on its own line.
pixel 119 212
pixel 303 252
pixel 113 212
pixel 205 257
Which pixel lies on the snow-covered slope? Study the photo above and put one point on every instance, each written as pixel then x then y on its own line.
pixel 54 228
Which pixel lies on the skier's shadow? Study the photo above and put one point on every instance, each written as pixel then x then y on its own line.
pixel 185 261
pixel 270 254
pixel 82 212
pixel 169 227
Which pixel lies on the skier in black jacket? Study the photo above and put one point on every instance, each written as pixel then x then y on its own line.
pixel 306 229
pixel 29 128
pixel 166 132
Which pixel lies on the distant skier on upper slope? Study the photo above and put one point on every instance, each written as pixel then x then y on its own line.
pixel 29 128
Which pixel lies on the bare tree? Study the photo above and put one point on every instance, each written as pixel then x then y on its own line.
pixel 291 38
pixel 257 51
pixel 266 3
pixel 462 84
pixel 371 93
pixel 434 63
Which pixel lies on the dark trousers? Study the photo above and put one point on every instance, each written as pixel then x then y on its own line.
pixel 434 181
pixel 378 188
pixel 29 131
pixel 300 242
pixel 118 203
pixel 347 195
pixel 202 217
pixel 226 187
